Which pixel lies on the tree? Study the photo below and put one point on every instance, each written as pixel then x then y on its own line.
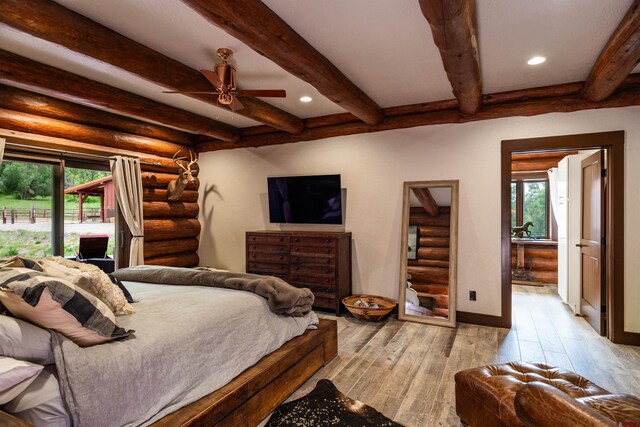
pixel 25 180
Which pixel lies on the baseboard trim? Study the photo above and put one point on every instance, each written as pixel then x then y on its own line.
pixel 479 319
pixel 628 338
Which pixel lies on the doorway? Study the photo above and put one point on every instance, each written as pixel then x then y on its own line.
pixel 613 263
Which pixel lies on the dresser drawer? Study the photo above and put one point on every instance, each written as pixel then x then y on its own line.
pixel 318 250
pixel 324 302
pixel 314 269
pixel 267 239
pixel 322 259
pixel 312 241
pixel 270 257
pixel 313 279
pixel 264 267
pixel 268 248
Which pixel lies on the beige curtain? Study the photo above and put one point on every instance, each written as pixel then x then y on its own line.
pixel 128 189
pixel 1 149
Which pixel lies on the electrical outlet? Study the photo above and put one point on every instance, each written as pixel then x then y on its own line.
pixel 472 295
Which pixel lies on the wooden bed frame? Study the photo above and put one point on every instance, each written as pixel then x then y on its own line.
pixel 258 390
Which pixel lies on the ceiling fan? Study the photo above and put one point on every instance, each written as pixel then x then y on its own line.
pixel 223 80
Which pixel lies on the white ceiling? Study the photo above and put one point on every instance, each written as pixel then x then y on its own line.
pixel 384 46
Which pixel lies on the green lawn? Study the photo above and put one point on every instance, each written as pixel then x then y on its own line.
pixel 37 244
pixel 71 202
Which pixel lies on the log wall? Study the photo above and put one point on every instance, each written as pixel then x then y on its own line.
pixel 542 259
pixel 171 228
pixel 430 271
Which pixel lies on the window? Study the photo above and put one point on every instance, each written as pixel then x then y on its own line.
pixel 530 203
pixel 48 201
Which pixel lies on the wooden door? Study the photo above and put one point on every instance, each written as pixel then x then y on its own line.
pixel 593 296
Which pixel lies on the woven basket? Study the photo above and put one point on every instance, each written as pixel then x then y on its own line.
pixel 369 314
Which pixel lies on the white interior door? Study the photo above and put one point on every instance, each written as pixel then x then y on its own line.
pixel 563 225
pixel 574 228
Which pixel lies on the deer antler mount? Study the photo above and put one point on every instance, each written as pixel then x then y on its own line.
pixel 176 187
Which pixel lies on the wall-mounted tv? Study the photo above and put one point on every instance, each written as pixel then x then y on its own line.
pixel 313 199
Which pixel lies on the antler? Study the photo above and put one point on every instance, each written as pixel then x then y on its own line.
pixel 193 159
pixel 179 158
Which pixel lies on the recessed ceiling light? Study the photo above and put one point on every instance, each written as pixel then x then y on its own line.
pixel 536 60
pixel 306 99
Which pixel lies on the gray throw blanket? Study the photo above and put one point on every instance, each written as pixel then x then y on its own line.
pixel 281 297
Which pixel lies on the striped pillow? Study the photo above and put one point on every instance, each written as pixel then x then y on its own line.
pixel 56 304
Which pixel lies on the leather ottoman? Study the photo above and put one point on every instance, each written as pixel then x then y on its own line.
pixel 485 396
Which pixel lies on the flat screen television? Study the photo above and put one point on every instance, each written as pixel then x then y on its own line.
pixel 313 199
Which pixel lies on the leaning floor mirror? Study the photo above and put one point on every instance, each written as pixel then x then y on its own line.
pixel 429 251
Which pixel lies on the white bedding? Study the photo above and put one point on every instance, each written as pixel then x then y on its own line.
pixel 189 341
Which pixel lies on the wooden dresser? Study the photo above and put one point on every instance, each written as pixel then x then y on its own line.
pixel 320 261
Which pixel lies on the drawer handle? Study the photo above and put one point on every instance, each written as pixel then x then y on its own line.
pixel 281 258
pixel 327 241
pixel 328 251
pixel 297 258
pixel 281 239
pixel 328 261
pixel 296 240
pixel 253 265
pixel 253 247
pixel 281 267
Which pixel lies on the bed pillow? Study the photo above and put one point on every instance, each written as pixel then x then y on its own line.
pixel 15 377
pixel 55 304
pixel 24 341
pixel 41 404
pixel 89 278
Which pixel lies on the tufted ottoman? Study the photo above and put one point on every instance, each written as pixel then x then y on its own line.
pixel 485 396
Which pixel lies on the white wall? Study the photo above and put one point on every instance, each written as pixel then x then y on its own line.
pixel 373 168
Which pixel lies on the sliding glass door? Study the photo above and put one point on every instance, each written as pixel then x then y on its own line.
pixel 48 204
pixel 28 203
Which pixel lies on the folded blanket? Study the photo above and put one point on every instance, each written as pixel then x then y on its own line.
pixel 281 297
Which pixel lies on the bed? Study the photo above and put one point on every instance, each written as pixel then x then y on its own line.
pixel 242 393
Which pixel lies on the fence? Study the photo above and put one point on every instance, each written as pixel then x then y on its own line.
pixel 33 215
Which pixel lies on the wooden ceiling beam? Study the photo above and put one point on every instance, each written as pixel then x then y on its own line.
pixel 50 21
pixel 254 24
pixel 453 26
pixel 27 74
pixel 426 200
pixel 12 98
pixel 624 97
pixel 618 58
pixel 30 123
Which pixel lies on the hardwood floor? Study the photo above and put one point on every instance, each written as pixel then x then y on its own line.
pixel 405 370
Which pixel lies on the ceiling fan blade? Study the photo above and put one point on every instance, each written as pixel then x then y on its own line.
pixel 267 93
pixel 212 76
pixel 193 93
pixel 236 105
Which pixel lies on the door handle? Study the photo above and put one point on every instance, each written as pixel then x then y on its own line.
pixel 578 245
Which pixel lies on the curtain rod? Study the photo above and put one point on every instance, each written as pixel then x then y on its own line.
pixel 73 153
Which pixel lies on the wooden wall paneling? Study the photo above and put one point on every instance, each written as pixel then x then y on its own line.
pixel 12 98
pixel 161 248
pixel 430 271
pixel 161 180
pixel 150 194
pixel 30 123
pixel 170 209
pixel 172 228
pixel 185 259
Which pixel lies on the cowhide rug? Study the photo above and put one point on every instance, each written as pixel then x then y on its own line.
pixel 326 406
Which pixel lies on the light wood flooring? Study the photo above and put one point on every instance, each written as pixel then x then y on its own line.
pixel 405 370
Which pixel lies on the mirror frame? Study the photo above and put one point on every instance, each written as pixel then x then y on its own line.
pixel 453 252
